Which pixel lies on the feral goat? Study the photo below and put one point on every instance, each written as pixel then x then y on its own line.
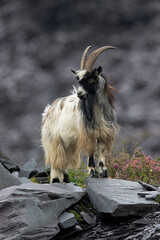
pixel 83 122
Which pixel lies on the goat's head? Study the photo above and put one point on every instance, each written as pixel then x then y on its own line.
pixel 88 77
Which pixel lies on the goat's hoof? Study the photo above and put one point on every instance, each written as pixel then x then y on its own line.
pixel 66 178
pixel 55 180
pixel 94 173
pixel 104 173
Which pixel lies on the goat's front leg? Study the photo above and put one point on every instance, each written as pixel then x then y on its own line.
pixel 58 176
pixel 92 167
pixel 101 166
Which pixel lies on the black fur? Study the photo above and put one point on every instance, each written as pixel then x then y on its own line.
pixel 66 178
pixel 104 174
pixel 55 180
pixel 101 164
pixel 91 162
pixel 89 83
pixel 87 105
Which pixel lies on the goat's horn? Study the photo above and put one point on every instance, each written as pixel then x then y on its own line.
pixel 84 56
pixel 93 57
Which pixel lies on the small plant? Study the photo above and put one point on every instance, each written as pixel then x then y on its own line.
pixel 78 176
pixel 34 180
pixel 77 215
pixel 136 166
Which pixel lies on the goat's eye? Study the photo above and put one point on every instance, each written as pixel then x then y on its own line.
pixel 77 78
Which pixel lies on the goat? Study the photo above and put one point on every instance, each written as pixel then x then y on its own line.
pixel 82 122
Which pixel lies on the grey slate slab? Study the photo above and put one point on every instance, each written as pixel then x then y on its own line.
pixel 27 168
pixel 6 178
pixel 118 197
pixel 24 180
pixel 67 220
pixel 31 211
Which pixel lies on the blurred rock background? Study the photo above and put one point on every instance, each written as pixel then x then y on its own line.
pixel 40 41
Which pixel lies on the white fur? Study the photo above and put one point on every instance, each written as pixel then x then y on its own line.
pixel 80 74
pixel 45 111
pixel 65 133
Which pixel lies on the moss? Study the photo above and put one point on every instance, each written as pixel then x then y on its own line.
pixel 77 215
pixel 34 180
pixel 82 207
pixel 87 207
pixel 158 198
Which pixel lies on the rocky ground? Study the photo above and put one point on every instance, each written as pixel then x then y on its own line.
pixel 40 41
pixel 107 208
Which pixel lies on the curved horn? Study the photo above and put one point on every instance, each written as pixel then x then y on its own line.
pixel 84 56
pixel 93 57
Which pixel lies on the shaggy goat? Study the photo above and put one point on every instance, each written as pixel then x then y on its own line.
pixel 83 122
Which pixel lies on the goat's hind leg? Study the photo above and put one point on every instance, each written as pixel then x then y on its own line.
pixel 101 168
pixel 58 176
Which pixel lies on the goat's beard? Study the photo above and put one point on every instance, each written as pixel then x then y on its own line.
pixel 87 106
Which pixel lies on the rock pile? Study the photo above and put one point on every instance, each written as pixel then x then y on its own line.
pixel 33 211
pixel 38 211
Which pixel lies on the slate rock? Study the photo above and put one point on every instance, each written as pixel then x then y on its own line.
pixel 144 228
pixel 6 178
pixel 24 180
pixel 150 195
pixel 7 163
pixel 118 197
pixel 15 174
pixel 42 172
pixel 28 168
pixel 31 211
pixel 89 219
pixel 67 220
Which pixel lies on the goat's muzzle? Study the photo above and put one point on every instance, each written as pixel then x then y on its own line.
pixel 81 95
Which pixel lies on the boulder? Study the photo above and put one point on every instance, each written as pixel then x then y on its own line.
pixel 6 178
pixel 7 163
pixel 31 211
pixel 67 220
pixel 28 168
pixel 118 198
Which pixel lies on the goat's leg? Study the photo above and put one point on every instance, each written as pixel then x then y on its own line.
pixel 58 176
pixel 101 168
pixel 91 165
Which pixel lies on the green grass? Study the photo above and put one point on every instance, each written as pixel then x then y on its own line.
pixel 75 176
pixel 78 176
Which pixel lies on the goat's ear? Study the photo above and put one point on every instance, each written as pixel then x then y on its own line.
pixel 73 71
pixel 99 70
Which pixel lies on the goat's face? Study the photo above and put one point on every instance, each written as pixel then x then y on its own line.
pixel 88 82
